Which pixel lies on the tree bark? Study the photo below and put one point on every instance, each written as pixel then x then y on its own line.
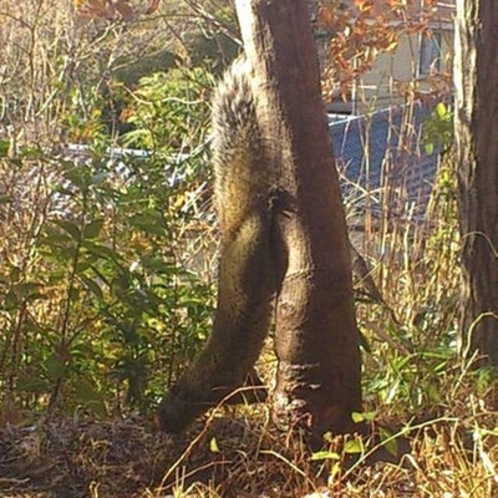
pixel 317 341
pixel 476 125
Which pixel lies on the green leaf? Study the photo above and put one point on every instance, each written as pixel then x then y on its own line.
pixel 441 110
pixel 11 302
pixel 4 148
pixel 55 367
pixel 99 178
pixel 29 291
pixel 78 176
pixel 335 470
pixel 54 239
pixel 31 153
pixel 74 294
pixel 92 286
pixel 158 265
pixel 364 342
pixel 92 230
pixel 103 252
pixel 150 221
pixel 69 227
pixel 358 418
pixel 87 395
pixel 83 265
pixel 213 446
pixel 325 455
pixel 390 443
pixel 354 446
pixel 32 385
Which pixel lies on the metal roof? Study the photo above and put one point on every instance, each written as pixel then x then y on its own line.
pixel 381 159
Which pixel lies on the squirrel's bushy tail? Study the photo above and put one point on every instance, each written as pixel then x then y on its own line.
pixel 243 177
pixel 234 113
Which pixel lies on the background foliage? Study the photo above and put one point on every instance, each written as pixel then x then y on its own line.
pixel 106 274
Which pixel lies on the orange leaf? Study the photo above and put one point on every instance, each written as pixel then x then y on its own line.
pixel 325 18
pixel 364 6
pixel 91 8
pixel 153 6
pixel 124 10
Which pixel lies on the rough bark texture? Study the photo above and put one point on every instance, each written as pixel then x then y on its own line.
pixel 317 342
pixel 476 81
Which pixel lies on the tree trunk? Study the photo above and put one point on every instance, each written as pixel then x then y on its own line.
pixel 476 125
pixel 317 341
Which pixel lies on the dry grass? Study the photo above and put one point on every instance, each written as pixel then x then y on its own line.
pixel 240 455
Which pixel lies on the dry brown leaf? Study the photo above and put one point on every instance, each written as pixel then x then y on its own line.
pixel 124 9
pixel 153 6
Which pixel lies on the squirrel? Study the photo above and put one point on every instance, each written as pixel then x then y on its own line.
pixel 244 191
